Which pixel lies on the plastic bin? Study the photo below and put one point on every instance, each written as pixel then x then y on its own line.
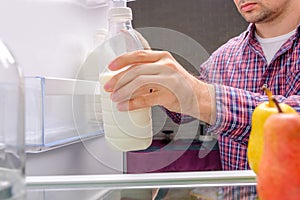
pixel 60 112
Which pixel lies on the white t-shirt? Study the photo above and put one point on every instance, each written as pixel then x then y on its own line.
pixel 270 46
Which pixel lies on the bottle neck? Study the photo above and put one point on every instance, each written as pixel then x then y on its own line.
pixel 117 26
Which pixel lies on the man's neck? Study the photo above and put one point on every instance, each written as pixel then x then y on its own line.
pixel 280 26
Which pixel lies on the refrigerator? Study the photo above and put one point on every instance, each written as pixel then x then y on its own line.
pixel 52 41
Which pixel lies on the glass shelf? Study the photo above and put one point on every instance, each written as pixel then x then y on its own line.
pixel 183 185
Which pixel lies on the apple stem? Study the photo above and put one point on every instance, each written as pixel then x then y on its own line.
pixel 277 105
pixel 269 94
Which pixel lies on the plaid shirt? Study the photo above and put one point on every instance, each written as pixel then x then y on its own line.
pixel 238 70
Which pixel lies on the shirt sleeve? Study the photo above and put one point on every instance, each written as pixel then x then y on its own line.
pixel 179 118
pixel 234 108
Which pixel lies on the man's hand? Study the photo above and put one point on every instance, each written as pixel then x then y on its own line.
pixel 156 78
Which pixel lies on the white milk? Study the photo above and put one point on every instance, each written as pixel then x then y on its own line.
pixel 126 131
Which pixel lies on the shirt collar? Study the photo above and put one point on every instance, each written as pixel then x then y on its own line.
pixel 250 32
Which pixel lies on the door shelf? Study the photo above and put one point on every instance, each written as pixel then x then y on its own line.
pixel 60 112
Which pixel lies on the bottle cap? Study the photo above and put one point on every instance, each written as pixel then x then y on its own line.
pixel 118 13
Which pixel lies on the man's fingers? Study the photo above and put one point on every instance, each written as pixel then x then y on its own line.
pixel 142 101
pixel 138 86
pixel 123 78
pixel 140 56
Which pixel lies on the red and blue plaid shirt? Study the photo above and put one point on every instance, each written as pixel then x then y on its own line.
pixel 238 70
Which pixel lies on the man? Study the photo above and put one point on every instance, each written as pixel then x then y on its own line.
pixel 229 86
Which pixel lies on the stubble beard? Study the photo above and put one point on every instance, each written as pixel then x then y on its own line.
pixel 264 16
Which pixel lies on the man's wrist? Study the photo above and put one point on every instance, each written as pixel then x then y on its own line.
pixel 212 92
pixel 206 100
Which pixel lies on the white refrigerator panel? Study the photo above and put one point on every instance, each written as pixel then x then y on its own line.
pixel 51 37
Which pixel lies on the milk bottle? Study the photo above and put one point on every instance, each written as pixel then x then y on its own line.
pixel 126 131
